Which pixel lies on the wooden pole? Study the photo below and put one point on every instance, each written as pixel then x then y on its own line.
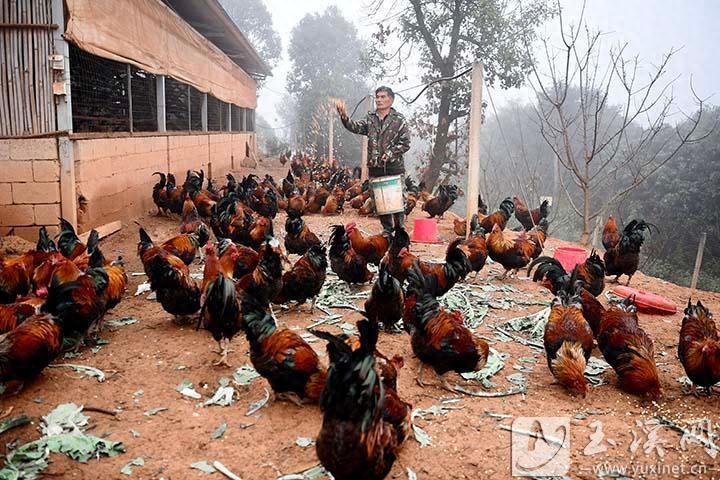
pixel 330 134
pixel 160 99
pixel 364 148
pixel 473 185
pixel 698 262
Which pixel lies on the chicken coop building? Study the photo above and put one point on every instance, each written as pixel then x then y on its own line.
pixel 96 95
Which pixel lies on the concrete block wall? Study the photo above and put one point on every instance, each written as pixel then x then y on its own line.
pixel 29 186
pixel 115 174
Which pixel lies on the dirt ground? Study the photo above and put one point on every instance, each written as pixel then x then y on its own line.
pixel 147 360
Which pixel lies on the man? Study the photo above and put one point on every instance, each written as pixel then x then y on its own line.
pixel 388 140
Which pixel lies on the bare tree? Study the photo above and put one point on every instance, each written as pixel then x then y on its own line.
pixel 607 149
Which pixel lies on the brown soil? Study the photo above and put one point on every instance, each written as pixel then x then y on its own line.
pixel 146 361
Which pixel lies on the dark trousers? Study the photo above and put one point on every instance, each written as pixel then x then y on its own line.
pixel 392 220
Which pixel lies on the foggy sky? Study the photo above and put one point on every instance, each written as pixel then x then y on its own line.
pixel 651 27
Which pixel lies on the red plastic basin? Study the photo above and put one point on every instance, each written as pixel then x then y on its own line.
pixel 647 302
pixel 425 231
pixel 570 256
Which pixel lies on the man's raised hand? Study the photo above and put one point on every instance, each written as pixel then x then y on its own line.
pixel 341 108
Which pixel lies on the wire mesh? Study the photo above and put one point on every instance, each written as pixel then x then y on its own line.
pixel 177 111
pixel 144 100
pixel 196 101
pixel 215 109
pixel 100 100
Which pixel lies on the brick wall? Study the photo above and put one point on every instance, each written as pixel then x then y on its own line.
pixel 29 186
pixel 115 174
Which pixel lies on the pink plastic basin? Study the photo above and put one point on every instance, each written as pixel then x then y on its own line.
pixel 647 302
pixel 425 230
pixel 570 256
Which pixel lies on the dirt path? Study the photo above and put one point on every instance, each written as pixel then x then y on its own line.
pixel 147 360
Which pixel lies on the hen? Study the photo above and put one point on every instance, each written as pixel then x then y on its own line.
pixel 439 337
pixel 529 218
pixel 298 237
pixel 629 350
pixel 624 257
pixel 699 347
pixel 281 356
pixel 355 442
pixel 568 342
pixel 220 312
pixel 349 265
pixel 169 277
pixel 372 247
pixel 305 279
pixel 386 301
pixel 511 254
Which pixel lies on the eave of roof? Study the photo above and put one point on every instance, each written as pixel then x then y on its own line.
pixel 211 20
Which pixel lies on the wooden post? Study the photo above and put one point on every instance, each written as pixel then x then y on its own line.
pixel 229 117
pixel 698 262
pixel 331 112
pixel 473 185
pixel 364 149
pixel 68 194
pixel 160 98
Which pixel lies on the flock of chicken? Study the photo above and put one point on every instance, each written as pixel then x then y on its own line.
pixel 365 421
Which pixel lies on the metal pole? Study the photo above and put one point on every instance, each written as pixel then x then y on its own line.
pixel 204 112
pixel 129 90
pixel 698 262
pixel 160 97
pixel 364 149
pixel 473 185
pixel 330 134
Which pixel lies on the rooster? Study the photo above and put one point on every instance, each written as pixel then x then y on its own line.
pixel 611 234
pixel 437 206
pixel 281 356
pixel 355 440
pixel 385 304
pixel 295 204
pixel 298 237
pixel 623 258
pixel 372 247
pixel 553 276
pixel 568 342
pixel 265 282
pixel 629 350
pixel 538 235
pixel 511 254
pixel 220 312
pixel 169 277
pixel 81 303
pixel 14 314
pixel 499 217
pixel 699 347
pixel 475 246
pixel 244 258
pixel 349 265
pixel 16 272
pixel 26 350
pixel 305 279
pixel 439 337
pixel 191 221
pixel 117 278
pixel 160 194
pixel 529 218
pixel 68 242
pixel 186 245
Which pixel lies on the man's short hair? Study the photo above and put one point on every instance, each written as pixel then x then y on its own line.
pixel 387 90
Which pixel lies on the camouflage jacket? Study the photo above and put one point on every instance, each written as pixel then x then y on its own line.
pixel 388 140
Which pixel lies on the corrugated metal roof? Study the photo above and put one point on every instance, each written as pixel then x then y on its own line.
pixel 211 20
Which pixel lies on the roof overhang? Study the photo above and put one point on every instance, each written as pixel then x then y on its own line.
pixel 211 20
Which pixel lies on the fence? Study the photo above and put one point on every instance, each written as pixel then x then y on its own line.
pixel 26 97
pixel 110 96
